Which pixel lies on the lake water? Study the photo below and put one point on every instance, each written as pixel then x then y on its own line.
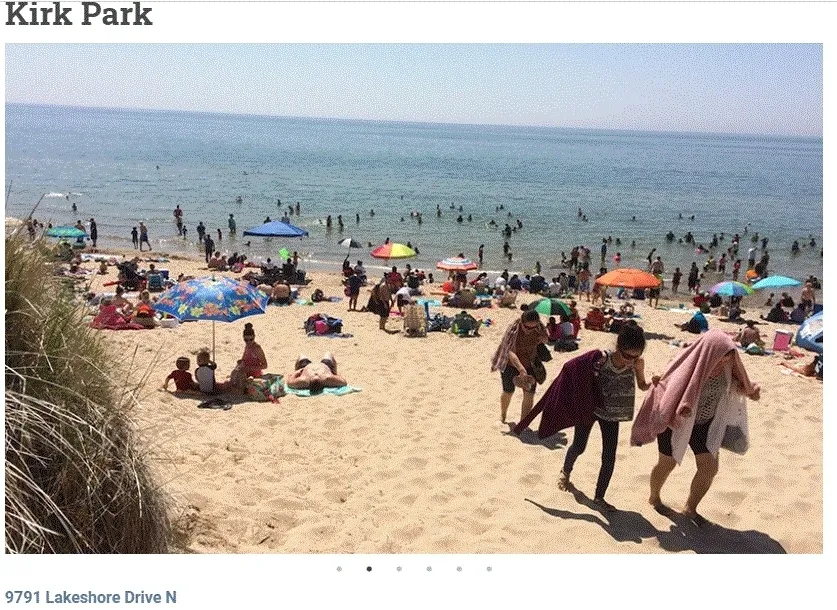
pixel 123 166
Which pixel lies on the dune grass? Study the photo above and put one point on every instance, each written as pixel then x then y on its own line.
pixel 76 480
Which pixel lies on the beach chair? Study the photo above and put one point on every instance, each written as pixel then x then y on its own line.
pixel 508 299
pixel 415 322
pixel 154 282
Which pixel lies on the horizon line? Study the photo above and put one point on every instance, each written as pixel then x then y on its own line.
pixel 420 122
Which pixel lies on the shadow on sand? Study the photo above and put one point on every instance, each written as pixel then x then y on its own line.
pixel 683 535
pixel 530 437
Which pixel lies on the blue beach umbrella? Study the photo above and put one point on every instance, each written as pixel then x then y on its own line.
pixel 209 298
pixel 276 228
pixel 776 281
pixel 65 232
pixel 731 289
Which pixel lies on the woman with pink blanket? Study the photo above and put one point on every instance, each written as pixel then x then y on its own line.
pixel 694 401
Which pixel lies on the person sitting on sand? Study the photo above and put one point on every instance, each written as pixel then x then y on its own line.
pixel 314 376
pixel 776 314
pixel 205 374
pixel 183 381
pixel 696 325
pixel 798 315
pixel 253 358
pixel 553 330
pixel 596 320
pixel 280 293
pixel 123 305
pixel 749 334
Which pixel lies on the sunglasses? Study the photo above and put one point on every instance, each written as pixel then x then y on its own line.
pixel 629 356
pixel 531 326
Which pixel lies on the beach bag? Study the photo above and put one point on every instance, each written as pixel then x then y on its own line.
pixel 539 371
pixel 464 324
pixel 543 353
pixel 737 435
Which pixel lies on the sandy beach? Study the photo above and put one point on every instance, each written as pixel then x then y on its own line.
pixel 418 462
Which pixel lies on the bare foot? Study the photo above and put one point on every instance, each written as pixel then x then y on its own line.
pixel 699 520
pixel 603 505
pixel 564 482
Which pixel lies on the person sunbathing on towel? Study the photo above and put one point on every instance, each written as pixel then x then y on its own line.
pixel 314 376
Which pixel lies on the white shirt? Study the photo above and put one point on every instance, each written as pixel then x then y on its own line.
pixel 206 379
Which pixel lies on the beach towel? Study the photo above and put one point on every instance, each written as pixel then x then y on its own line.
pixel 571 398
pixel 679 390
pixel 341 391
pixel 109 319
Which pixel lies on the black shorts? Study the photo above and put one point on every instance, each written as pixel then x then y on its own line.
pixel 697 441
pixel 332 366
pixel 508 375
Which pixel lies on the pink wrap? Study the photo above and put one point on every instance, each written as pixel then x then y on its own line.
pixel 680 386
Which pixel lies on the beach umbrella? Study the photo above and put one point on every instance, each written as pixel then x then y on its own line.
pixel 65 232
pixel 393 250
pixel 276 228
pixel 809 335
pixel 731 289
pixel 776 281
pixel 457 263
pixel 629 278
pixel 551 307
pixel 219 299
pixel 349 243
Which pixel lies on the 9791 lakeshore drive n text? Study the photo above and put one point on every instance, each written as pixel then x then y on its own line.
pixel 89 597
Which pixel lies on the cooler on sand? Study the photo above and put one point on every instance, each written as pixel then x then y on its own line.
pixel 782 340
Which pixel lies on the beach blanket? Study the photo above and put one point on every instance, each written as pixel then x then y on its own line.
pixel 332 335
pixel 341 391
pixel 109 319
pixel 430 302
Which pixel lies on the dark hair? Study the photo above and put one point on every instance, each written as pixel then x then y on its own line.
pixel 315 386
pixel 248 330
pixel 631 337
pixel 530 315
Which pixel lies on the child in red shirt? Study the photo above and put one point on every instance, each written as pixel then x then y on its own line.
pixel 183 381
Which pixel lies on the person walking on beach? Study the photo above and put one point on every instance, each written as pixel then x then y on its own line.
pixel 675 280
pixel 143 236
pixel 94 232
pixel 610 401
pixel 380 302
pixel 135 237
pixel 701 393
pixel 515 359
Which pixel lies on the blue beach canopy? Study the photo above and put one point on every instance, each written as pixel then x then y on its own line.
pixel 276 228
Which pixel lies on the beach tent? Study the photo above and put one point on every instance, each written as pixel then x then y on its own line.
pixel 276 228
pixel 809 335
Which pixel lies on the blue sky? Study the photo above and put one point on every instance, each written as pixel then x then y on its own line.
pixel 738 88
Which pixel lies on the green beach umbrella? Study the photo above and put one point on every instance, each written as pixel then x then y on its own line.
pixel 551 307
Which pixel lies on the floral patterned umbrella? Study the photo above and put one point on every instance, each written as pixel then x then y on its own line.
pixel 209 298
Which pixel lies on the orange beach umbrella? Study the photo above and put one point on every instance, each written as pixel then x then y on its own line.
pixel 629 278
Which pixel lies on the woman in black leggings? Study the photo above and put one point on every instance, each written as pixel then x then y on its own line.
pixel 618 372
